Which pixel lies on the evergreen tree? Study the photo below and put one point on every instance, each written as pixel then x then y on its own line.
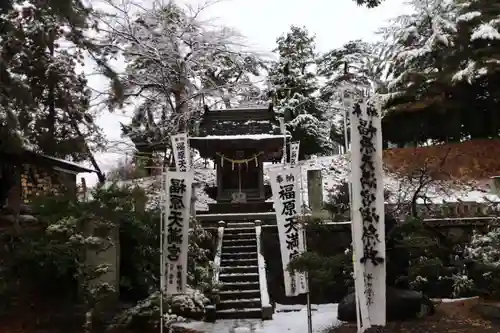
pixel 348 71
pixel 52 112
pixel 44 102
pixel 354 66
pixel 294 88
pixel 477 76
pixel 443 62
pixel 419 49
pixel 478 36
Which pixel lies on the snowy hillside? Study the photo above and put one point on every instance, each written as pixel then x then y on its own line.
pixel 335 170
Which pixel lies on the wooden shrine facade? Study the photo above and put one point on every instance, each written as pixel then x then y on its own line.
pixel 239 141
pixel 25 175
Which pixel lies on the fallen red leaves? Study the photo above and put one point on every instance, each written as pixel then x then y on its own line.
pixel 470 160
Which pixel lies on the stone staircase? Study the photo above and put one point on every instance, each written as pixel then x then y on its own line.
pixel 239 273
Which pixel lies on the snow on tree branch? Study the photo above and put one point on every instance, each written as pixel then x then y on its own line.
pixel 176 61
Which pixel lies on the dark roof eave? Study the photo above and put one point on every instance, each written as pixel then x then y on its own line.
pixel 28 156
pixel 66 165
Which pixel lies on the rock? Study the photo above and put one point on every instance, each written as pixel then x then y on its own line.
pixel 401 305
pixel 180 329
pixel 26 209
pixel 27 219
pixel 457 308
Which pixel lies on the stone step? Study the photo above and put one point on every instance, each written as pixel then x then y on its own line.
pixel 241 235
pixel 238 248
pixel 239 294
pixel 239 277
pixel 239 313
pixel 239 262
pixel 239 269
pixel 239 255
pixel 247 303
pixel 239 241
pixel 238 230
pixel 240 285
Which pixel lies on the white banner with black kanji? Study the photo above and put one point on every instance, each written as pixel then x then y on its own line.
pixel 182 152
pixel 294 153
pixel 368 225
pixel 176 230
pixel 287 204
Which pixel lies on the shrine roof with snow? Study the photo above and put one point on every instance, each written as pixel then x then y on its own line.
pixel 239 129
pixel 239 122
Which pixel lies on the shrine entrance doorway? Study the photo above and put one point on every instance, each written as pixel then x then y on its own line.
pixel 240 176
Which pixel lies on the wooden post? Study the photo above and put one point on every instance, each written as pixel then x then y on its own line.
pixel 496 185
pixel 315 191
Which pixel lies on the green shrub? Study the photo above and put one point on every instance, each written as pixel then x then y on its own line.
pixel 483 255
pixel 50 261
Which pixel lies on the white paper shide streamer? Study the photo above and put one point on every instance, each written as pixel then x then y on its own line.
pixel 368 201
pixel 176 230
pixel 182 153
pixel 294 153
pixel 287 203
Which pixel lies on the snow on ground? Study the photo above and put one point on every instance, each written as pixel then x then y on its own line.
pixel 323 318
pixel 286 319
pixel 453 300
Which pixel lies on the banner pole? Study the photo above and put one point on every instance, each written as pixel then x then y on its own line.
pixel 308 294
pixel 162 261
pixel 349 189
pixel 304 237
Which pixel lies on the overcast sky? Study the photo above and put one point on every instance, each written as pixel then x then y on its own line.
pixel 334 22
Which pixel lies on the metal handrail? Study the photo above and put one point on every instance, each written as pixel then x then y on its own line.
pixel 264 294
pixel 217 259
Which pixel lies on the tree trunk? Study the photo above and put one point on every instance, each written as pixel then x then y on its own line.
pixel 100 174
pixel 51 102
pixel 181 108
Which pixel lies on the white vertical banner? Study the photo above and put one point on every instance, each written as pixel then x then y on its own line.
pixel 368 225
pixel 283 132
pixel 294 153
pixel 287 204
pixel 176 230
pixel 182 152
pixel 282 125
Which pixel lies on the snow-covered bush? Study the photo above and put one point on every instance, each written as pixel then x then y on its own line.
pixel 418 283
pixel 484 248
pixel 483 256
pixel 462 285
pixel 175 308
pixel 140 279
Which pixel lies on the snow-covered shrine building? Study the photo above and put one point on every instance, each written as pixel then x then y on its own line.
pixel 240 141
